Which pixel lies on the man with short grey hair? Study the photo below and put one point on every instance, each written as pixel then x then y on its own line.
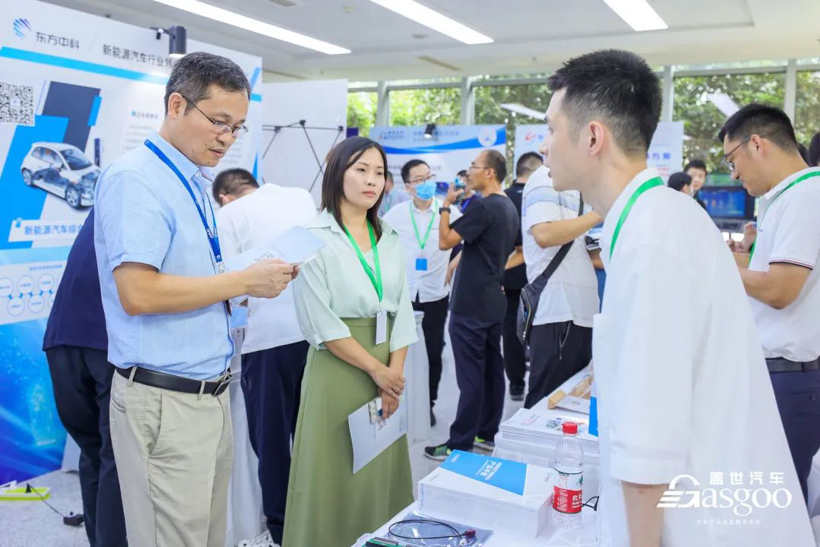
pixel 167 317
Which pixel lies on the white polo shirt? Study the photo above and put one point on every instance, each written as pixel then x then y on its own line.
pixel 254 220
pixel 682 385
pixel 571 294
pixel 788 232
pixel 427 284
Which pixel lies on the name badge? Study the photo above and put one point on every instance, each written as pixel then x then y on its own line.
pixel 381 327
pixel 421 264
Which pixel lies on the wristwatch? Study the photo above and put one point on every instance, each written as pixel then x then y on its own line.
pixel 442 209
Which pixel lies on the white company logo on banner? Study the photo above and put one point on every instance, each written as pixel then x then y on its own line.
pixel 451 149
pixel 76 92
pixel 665 152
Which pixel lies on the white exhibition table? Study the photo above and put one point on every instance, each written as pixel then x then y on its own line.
pixel 550 536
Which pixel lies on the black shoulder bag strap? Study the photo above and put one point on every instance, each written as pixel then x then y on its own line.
pixel 531 293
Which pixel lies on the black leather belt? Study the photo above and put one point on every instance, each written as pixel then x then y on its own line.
pixel 778 364
pixel 176 383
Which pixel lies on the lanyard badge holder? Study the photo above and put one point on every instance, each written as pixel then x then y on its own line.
pixel 421 261
pixel 375 279
pixel 213 235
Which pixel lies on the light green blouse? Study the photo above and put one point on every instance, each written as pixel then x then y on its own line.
pixel 334 285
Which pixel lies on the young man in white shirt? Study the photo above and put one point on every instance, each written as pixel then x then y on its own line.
pixel 274 349
pixel 780 275
pixel 684 398
pixel 417 224
pixel 561 338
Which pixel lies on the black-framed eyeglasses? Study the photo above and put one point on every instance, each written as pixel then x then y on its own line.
pixel 730 165
pixel 474 166
pixel 220 127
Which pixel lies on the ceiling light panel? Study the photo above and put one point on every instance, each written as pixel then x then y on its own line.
pixel 638 14
pixel 247 23
pixel 435 20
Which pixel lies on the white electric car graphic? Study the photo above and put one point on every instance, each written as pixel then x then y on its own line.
pixel 63 170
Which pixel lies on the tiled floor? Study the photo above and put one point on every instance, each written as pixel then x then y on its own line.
pixel 33 524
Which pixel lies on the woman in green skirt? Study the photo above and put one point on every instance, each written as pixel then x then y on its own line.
pixel 354 308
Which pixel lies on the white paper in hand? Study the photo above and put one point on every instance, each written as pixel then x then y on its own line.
pixel 371 438
pixel 295 246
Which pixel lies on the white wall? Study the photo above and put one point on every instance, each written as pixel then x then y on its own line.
pixel 290 160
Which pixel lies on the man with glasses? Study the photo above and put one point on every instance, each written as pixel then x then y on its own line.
pixel 417 223
pixel 167 317
pixel 488 230
pixel 779 272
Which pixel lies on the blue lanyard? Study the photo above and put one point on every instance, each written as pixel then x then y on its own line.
pixel 213 236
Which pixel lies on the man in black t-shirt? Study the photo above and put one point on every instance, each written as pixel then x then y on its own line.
pixel 488 230
pixel 515 279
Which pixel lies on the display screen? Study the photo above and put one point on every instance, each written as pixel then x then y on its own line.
pixel 724 202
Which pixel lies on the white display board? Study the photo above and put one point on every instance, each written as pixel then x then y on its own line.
pixel 665 152
pixel 295 155
pixel 450 149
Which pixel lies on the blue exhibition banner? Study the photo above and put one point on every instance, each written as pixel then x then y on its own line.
pixel 72 99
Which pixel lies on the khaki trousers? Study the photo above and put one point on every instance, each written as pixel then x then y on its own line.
pixel 174 453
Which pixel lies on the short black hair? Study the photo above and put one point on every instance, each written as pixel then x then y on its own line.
pixel 497 162
pixel 196 72
pixel 229 181
pixel 804 152
pixel 405 169
pixel 763 120
pixel 814 151
pixel 341 158
pixel 678 180
pixel 527 164
pixel 695 164
pixel 462 173
pixel 617 87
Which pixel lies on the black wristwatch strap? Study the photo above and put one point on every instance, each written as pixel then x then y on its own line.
pixel 442 209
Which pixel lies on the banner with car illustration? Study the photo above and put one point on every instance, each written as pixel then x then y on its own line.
pixel 76 92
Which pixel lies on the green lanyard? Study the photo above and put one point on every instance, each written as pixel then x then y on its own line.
pixel 799 179
pixel 422 242
pixel 377 278
pixel 651 183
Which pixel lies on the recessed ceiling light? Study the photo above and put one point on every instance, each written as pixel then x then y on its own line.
pixel 234 19
pixel 638 14
pixel 435 20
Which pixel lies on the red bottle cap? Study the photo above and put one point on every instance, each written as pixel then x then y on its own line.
pixel 570 428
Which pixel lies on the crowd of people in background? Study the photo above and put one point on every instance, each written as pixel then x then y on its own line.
pixel 691 378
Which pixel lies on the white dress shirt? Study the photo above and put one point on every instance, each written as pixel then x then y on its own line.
pixel 428 285
pixel 788 231
pixel 682 385
pixel 254 220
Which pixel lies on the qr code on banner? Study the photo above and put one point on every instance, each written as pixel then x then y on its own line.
pixel 16 104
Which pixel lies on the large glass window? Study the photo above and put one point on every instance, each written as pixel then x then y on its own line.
pixel 704 102
pixel 441 106
pixel 361 111
pixel 488 110
pixel 807 109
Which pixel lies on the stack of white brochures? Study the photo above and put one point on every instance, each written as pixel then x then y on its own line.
pixel 544 427
pixel 503 493
pixel 295 246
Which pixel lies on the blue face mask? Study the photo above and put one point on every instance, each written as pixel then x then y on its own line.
pixel 426 190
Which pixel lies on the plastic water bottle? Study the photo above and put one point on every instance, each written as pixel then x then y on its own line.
pixel 569 463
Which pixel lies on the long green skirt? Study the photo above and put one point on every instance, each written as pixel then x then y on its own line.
pixel 327 504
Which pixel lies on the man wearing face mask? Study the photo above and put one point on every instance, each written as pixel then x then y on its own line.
pixel 417 223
